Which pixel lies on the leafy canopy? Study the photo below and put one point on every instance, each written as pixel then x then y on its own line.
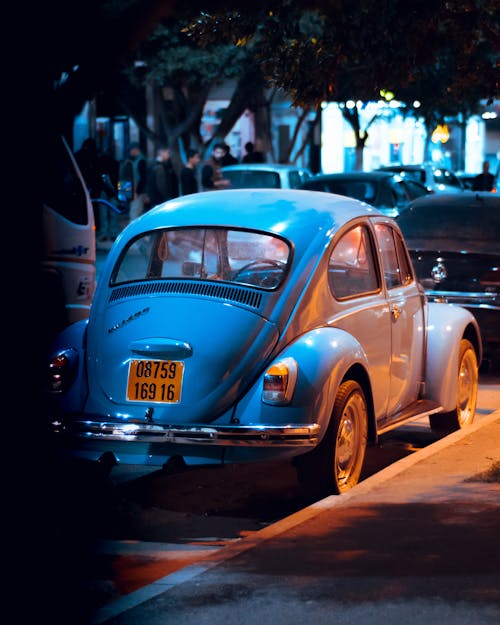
pixel 336 49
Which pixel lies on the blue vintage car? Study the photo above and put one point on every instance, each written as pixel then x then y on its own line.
pixel 246 325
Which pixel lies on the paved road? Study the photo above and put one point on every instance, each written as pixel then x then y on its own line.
pixel 169 522
pixel 415 544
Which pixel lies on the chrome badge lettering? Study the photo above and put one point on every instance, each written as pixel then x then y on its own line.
pixel 136 315
pixel 439 273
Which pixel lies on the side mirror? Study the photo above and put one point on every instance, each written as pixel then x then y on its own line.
pixel 119 208
pixel 125 193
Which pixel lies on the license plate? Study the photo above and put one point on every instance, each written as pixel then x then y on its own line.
pixel 157 381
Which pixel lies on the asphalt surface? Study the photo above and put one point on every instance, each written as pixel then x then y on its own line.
pixel 417 543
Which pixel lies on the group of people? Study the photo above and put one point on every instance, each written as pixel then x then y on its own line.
pixel 152 181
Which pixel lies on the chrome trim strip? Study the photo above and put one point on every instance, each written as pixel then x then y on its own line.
pixel 483 300
pixel 222 435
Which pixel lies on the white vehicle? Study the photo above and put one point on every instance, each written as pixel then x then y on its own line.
pixel 69 247
pixel 265 175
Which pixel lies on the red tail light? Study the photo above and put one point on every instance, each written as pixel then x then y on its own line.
pixel 62 370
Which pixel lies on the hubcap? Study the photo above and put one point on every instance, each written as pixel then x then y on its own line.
pixel 345 445
pixel 467 388
pixel 349 440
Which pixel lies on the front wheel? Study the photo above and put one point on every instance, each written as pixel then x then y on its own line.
pixel 463 414
pixel 335 465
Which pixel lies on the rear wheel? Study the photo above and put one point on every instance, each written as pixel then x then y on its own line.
pixel 463 414
pixel 335 465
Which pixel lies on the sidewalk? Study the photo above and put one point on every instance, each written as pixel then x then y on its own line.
pixel 416 544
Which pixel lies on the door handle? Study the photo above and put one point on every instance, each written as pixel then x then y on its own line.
pixel 395 312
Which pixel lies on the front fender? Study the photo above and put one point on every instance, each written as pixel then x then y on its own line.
pixel 323 356
pixel 73 337
pixel 447 325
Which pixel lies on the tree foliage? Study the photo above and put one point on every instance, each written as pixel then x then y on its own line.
pixel 329 49
pixel 445 54
pixel 182 74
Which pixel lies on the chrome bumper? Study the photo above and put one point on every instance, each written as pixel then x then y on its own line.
pixel 221 435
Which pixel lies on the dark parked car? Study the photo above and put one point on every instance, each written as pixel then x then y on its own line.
pixel 436 179
pixel 454 242
pixel 386 191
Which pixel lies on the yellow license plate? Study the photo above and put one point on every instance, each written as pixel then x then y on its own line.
pixel 157 381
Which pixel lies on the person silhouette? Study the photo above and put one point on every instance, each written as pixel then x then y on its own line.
pixel 252 155
pixel 484 181
pixel 211 174
pixel 189 182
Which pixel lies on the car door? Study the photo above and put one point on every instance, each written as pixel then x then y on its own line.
pixel 361 307
pixel 407 319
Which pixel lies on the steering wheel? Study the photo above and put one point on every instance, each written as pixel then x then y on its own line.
pixel 256 269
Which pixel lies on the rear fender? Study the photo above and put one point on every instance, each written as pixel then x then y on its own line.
pixel 73 337
pixel 447 325
pixel 323 356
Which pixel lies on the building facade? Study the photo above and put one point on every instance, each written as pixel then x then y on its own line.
pixel 329 145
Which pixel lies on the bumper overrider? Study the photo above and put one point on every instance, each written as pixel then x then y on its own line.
pixel 220 435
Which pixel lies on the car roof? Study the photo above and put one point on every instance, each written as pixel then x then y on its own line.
pixel 295 214
pixel 264 167
pixel 413 167
pixel 395 167
pixel 353 175
pixel 468 222
pixel 464 199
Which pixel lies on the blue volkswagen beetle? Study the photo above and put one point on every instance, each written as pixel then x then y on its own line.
pixel 245 325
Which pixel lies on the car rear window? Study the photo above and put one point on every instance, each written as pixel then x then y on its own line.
pixel 253 179
pixel 365 191
pixel 443 176
pixel 414 174
pixel 416 189
pixel 460 223
pixel 296 178
pixel 237 256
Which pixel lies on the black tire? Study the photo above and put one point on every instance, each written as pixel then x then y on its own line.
pixel 335 465
pixel 468 379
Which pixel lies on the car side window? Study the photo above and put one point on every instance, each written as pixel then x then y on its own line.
pixel 294 179
pixel 401 197
pixel 443 176
pixel 415 189
pixel 352 267
pixel 396 264
pixel 63 191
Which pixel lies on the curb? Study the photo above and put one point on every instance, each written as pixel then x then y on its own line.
pixel 211 560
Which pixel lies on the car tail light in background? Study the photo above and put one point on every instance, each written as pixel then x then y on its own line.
pixel 279 382
pixel 491 277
